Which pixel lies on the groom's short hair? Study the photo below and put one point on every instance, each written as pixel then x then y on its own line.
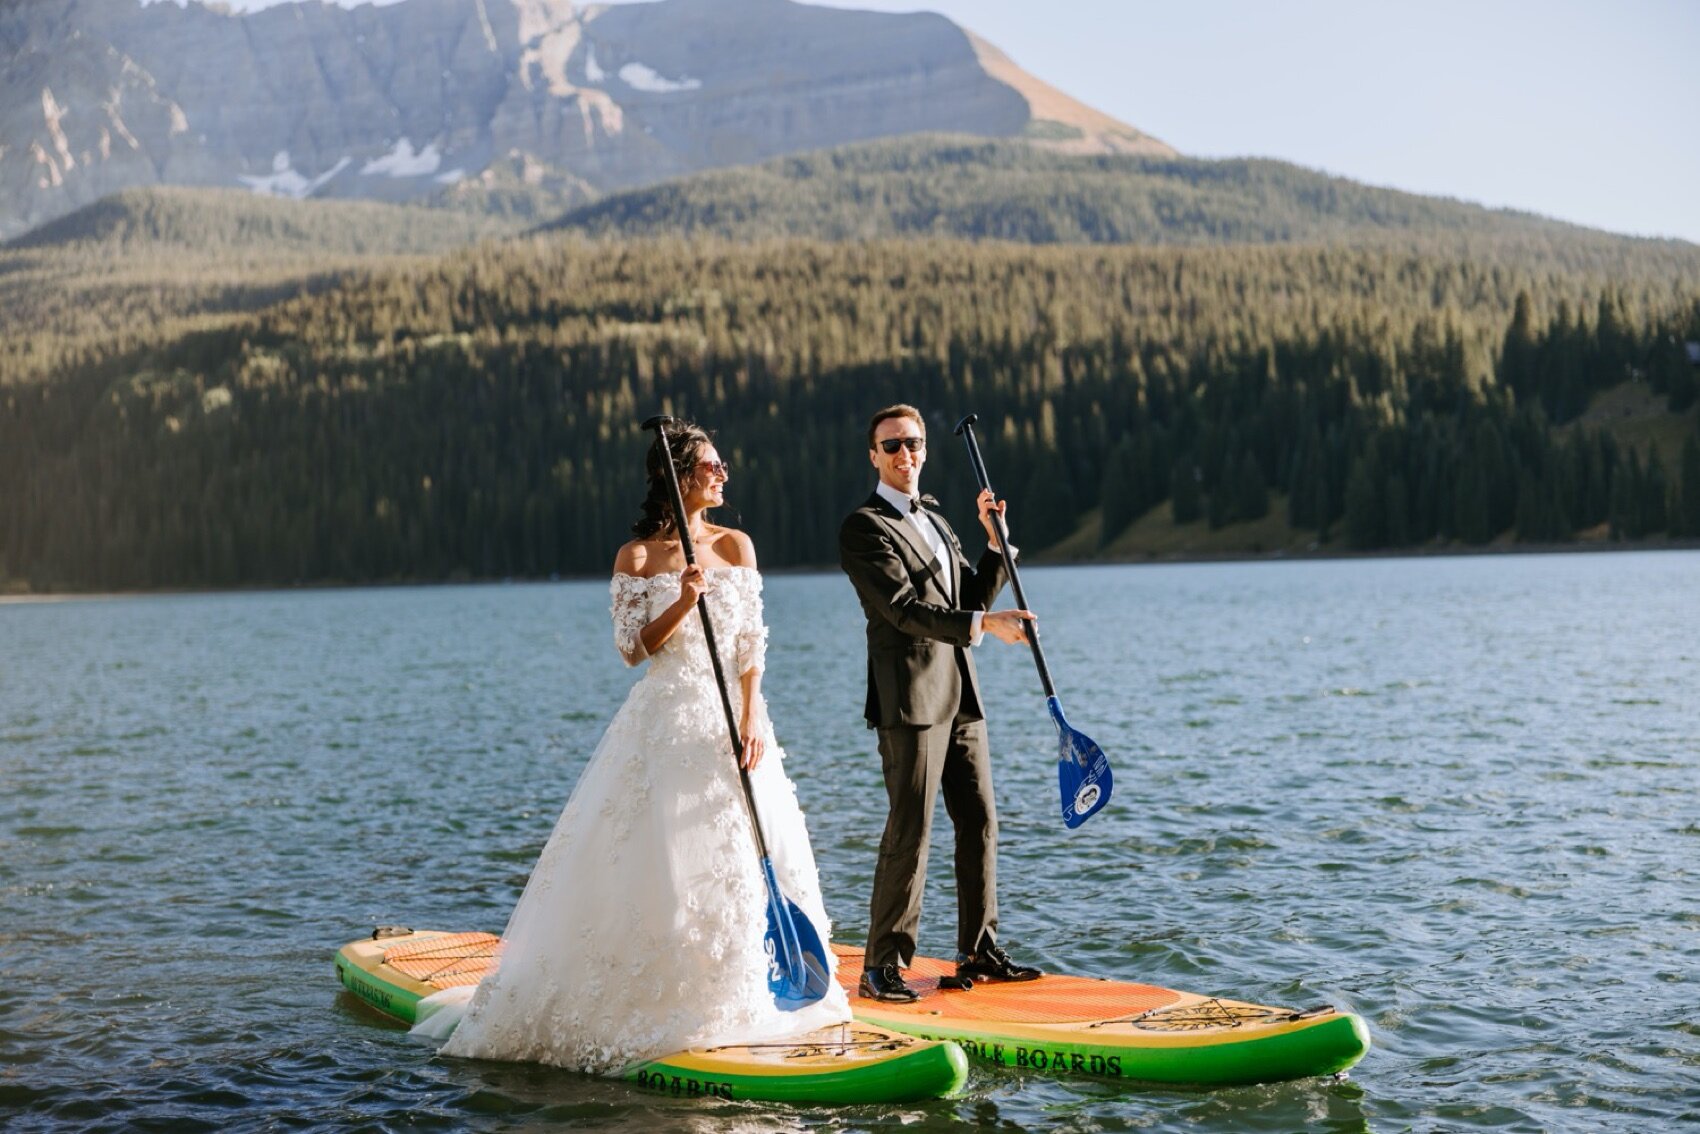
pixel 898 410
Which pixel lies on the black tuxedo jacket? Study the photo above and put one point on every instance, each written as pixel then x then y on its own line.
pixel 920 669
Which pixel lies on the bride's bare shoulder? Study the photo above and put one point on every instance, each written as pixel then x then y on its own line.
pixel 633 558
pixel 735 548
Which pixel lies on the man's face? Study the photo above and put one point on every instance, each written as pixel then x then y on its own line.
pixel 902 469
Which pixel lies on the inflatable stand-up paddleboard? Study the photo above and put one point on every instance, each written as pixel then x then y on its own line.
pixel 1069 1025
pixel 850 1063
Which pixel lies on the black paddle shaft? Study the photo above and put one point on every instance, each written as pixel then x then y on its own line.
pixel 660 424
pixel 965 430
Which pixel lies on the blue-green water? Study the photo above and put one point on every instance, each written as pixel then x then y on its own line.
pixel 1457 796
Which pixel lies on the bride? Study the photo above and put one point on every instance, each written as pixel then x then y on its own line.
pixel 640 931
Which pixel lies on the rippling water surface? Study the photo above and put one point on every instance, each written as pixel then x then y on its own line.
pixel 1457 796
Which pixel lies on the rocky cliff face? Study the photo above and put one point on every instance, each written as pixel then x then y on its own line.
pixel 399 101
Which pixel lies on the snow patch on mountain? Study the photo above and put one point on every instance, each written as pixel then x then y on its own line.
pixel 284 181
pixel 402 161
pixel 640 77
pixel 243 7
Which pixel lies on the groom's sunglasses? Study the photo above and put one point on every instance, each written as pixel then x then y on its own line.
pixel 913 444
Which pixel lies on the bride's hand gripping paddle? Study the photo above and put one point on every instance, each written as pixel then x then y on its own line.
pixel 798 973
pixel 1083 772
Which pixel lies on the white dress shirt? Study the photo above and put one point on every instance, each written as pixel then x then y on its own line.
pixel 916 517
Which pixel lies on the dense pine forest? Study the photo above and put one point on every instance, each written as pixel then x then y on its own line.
pixel 476 416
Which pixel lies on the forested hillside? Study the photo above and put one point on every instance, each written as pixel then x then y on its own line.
pixel 477 416
pixel 996 190
pixel 146 266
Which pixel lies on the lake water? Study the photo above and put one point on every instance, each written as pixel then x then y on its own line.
pixel 1455 795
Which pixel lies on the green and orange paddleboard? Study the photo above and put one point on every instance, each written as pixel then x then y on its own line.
pixel 850 1063
pixel 1069 1025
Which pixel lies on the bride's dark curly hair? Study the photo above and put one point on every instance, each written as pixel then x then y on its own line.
pixel 687 440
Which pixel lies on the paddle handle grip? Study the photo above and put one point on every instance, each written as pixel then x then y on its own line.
pixel 965 428
pixel 659 424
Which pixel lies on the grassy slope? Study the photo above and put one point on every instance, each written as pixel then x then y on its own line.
pixel 1642 420
pixel 1155 536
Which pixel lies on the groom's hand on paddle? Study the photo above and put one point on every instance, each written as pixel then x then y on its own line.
pixel 1008 625
pixel 987 502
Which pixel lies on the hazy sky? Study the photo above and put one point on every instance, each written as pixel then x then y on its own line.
pixel 1589 112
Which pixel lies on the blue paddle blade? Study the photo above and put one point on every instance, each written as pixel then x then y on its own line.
pixel 1083 772
pixel 797 972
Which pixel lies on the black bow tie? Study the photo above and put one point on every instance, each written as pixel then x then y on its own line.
pixel 915 502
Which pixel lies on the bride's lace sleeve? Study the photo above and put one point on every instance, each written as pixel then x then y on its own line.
pixel 631 615
pixel 752 633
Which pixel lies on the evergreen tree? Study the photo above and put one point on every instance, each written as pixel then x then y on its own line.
pixel 1471 510
pixel 1252 491
pixel 1626 494
pixel 1517 353
pixel 1186 497
pixel 1119 495
pixel 1397 523
pixel 1364 506
pixel 1654 492
pixel 1221 505
pixel 1048 504
pixel 1687 514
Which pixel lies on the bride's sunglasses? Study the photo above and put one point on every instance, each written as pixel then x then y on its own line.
pixel 716 468
pixel 913 444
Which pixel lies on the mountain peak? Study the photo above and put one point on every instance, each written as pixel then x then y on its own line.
pixel 396 101
pixel 1060 122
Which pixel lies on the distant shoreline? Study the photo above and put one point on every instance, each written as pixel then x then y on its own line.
pixel 1285 555
pixel 1449 551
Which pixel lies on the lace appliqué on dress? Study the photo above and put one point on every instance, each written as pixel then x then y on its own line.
pixel 631 614
pixel 752 634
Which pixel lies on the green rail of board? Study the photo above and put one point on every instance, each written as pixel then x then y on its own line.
pixel 1068 1025
pixel 855 1063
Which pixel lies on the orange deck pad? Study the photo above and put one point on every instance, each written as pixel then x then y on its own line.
pixel 448 960
pixel 1052 999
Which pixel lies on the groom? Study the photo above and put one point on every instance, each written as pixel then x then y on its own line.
pixel 925 607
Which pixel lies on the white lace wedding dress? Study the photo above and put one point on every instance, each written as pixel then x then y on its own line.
pixel 640 931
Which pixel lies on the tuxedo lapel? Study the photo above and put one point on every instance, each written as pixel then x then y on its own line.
pixel 951 551
pixel 924 563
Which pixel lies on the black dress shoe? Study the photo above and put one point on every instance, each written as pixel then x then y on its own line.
pixel 992 963
pixel 886 983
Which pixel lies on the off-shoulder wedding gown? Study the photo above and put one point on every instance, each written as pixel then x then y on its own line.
pixel 640 931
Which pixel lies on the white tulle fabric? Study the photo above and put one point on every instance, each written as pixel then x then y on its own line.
pixel 640 931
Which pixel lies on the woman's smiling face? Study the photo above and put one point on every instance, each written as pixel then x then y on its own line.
pixel 707 486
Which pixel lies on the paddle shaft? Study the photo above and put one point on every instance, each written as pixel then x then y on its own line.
pixel 966 429
pixel 683 528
